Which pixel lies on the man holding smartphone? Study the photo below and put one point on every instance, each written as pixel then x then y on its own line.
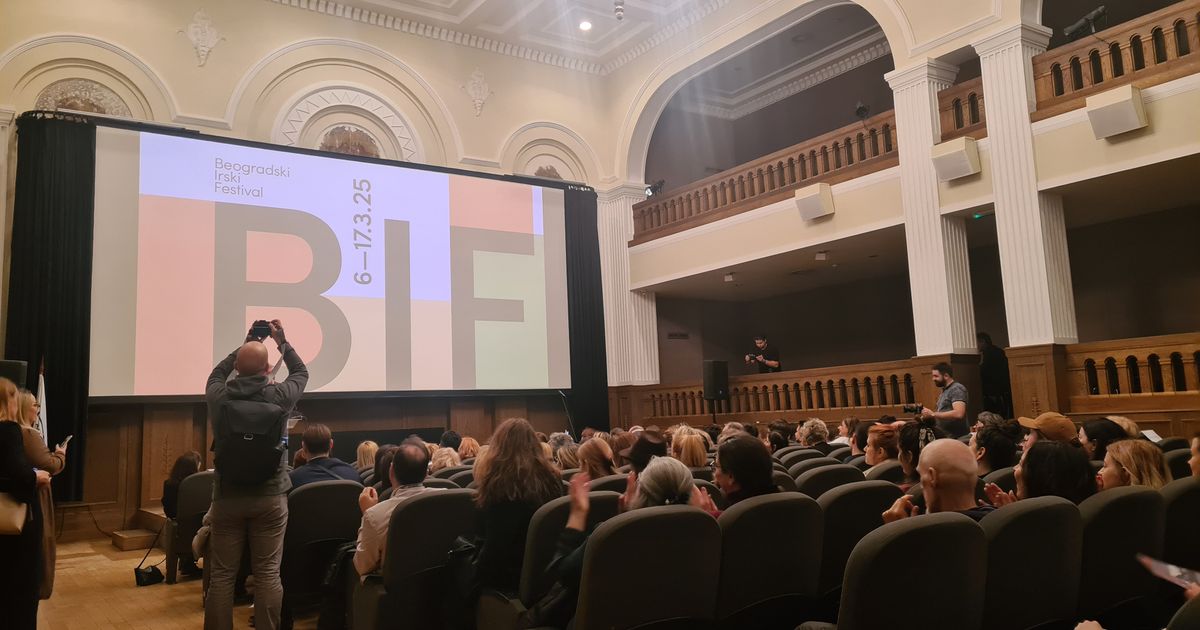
pixel 249 415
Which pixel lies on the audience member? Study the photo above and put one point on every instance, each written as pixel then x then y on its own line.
pixel 813 433
pixel 587 434
pixel 1194 460
pixel 1049 468
pixel 406 473
pixel 994 445
pixel 1133 463
pixel 52 462
pixel 649 444
pixel 985 418
pixel 858 445
pixel 714 433
pixel 242 502
pixel 882 444
pixel 450 439
pixel 430 447
pixel 299 459
pixel 620 444
pixel 541 437
pixel 845 431
pixel 567 457
pixel 468 448
pixel 365 457
pixel 185 466
pixel 596 459
pixel 947 474
pixel 444 457
pixel 316 444
pixel 743 469
pixel 1130 427
pixel 664 481
pixel 514 479
pixel 1096 435
pixel 950 412
pixel 782 427
pixel 690 450
pixel 731 429
pixel 547 451
pixel 22 553
pixel 993 376
pixel 776 441
pixel 1048 426
pixel 560 439
pixel 383 461
pixel 911 440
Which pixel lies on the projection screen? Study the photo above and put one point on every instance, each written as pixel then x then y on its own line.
pixel 386 278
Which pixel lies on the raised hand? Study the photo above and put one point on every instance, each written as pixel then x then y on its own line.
pixel 997 497
pixel 628 499
pixel 368 499
pixel 901 509
pixel 579 487
pixel 701 499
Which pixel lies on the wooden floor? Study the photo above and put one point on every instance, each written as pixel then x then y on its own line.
pixel 94 590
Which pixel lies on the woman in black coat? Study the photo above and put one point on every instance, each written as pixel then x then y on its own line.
pixel 21 567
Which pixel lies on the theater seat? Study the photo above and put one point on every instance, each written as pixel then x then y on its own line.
pixel 818 481
pixel 1173 444
pixel 615 483
pixel 449 472
pixel 799 455
pixel 500 611
pixel 322 516
pixel 1188 616
pixel 850 512
pixel 889 470
pixel 1118 524
pixel 1043 532
pixel 655 567
pixel 788 449
pixel 464 478
pixel 195 497
pixel 705 473
pixel 412 585
pixel 1177 463
pixel 809 464
pixel 783 480
pixel 1181 502
pixel 892 565
pixel 568 473
pixel 434 482
pixel 777 466
pixel 1003 477
pixel 859 462
pixel 774 590
pixel 839 453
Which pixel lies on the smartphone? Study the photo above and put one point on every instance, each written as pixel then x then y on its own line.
pixel 67 441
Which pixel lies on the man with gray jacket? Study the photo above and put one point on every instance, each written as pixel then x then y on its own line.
pixel 249 418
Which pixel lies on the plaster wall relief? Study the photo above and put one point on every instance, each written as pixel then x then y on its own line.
pixel 82 95
pixel 203 35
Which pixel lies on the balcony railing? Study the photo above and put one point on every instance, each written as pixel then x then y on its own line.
pixel 960 108
pixel 840 155
pixel 1140 374
pixel 1153 49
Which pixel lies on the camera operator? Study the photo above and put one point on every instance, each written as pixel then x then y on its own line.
pixel 951 414
pixel 767 359
pixel 249 418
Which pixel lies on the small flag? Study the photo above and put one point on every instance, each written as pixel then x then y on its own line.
pixel 41 398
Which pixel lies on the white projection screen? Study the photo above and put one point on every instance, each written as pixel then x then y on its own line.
pixel 386 278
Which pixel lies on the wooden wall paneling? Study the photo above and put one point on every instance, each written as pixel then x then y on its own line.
pixel 1039 379
pixel 546 414
pixel 201 434
pixel 471 417
pixel 509 407
pixel 167 433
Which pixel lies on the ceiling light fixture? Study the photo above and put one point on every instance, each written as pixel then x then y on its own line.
pixel 619 9
pixel 585 26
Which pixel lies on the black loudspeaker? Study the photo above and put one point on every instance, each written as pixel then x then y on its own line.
pixel 716 380
pixel 14 371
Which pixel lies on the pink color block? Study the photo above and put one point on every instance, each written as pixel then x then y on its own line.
pixel 277 258
pixel 491 205
pixel 432 363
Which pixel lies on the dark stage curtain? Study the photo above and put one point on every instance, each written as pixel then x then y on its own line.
pixel 588 401
pixel 50 281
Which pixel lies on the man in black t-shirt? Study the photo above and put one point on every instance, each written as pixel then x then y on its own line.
pixel 766 358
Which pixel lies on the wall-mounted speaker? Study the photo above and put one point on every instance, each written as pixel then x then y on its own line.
pixel 815 201
pixel 956 158
pixel 1116 111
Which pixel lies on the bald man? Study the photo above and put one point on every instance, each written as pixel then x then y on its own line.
pixel 948 481
pixel 255 513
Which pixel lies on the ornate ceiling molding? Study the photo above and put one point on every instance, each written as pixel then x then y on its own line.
pixel 421 29
pixel 843 57
pixel 82 91
pixel 296 117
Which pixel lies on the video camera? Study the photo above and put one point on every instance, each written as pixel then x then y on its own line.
pixel 914 408
pixel 260 329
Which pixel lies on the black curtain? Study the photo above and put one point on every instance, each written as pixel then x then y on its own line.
pixel 50 281
pixel 588 402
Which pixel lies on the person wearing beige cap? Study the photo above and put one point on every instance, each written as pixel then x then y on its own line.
pixel 1048 426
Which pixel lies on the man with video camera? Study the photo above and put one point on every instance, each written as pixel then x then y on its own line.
pixel 249 416
pixel 765 359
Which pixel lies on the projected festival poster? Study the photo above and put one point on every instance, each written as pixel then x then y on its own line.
pixel 386 278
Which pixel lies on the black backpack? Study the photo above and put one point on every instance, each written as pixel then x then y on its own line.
pixel 249 441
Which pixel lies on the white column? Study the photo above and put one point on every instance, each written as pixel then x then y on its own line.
pixel 7 126
pixel 1038 300
pixel 630 317
pixel 939 274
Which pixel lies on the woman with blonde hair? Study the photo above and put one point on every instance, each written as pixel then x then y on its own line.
pixel 41 457
pixel 596 459
pixel 514 479
pixel 23 553
pixel 365 456
pixel 689 449
pixel 469 447
pixel 1134 463
pixel 567 456
pixel 443 458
